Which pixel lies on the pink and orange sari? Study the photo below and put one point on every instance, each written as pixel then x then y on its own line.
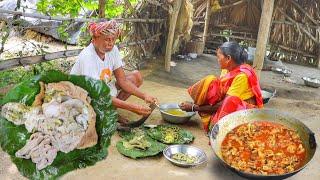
pixel 212 90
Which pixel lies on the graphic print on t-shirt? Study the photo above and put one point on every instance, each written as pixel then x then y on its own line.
pixel 106 75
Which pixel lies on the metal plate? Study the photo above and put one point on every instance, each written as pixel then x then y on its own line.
pixel 185 149
pixel 311 82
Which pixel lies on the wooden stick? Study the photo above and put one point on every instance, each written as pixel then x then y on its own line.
pixel 263 35
pixel 293 24
pixel 206 22
pixel 233 36
pixel 299 26
pixel 304 11
pixel 23 61
pixel 172 27
pixel 294 50
pixel 233 4
pixel 196 23
pixel 152 38
pixel 128 4
pixel 39 16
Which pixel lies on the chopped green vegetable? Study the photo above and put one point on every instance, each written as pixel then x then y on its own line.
pixel 185 158
pixel 137 142
pixel 170 134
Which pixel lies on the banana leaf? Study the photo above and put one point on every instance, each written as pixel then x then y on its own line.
pixel 13 138
pixel 154 149
pixel 180 136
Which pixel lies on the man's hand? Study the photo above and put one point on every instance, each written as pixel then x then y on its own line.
pixel 150 99
pixel 186 106
pixel 142 110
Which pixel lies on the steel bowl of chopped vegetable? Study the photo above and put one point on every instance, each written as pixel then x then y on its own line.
pixel 185 155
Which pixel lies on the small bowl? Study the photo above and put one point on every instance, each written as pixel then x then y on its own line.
pixel 286 72
pixel 172 118
pixel 277 70
pixel 185 149
pixel 193 55
pixel 311 82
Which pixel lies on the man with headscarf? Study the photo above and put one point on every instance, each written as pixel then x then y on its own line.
pixel 101 60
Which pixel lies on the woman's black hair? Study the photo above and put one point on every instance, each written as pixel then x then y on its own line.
pixel 235 51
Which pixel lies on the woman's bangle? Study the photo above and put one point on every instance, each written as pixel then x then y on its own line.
pixel 192 109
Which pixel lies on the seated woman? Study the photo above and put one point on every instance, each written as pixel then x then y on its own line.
pixel 237 87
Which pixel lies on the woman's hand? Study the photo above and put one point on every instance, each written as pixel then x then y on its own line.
pixel 186 106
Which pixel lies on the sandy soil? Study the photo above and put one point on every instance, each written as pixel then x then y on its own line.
pixel 299 101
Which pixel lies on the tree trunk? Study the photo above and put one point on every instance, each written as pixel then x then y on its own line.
pixel 263 35
pixel 206 22
pixel 102 8
pixel 318 53
pixel 172 26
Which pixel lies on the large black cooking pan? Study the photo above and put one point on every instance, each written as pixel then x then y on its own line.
pixel 229 122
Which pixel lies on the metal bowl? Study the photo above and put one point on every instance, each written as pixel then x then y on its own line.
pixel 267 94
pixel 312 82
pixel 172 118
pixel 285 72
pixel 277 70
pixel 229 122
pixel 185 149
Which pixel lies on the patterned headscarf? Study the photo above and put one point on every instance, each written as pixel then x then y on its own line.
pixel 107 28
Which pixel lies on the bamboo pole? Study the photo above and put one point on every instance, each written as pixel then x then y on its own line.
pixel 172 26
pixel 263 35
pixel 58 18
pixel 206 22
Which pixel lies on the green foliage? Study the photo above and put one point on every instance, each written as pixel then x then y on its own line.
pixel 179 136
pixel 155 148
pixel 4 35
pixel 19 74
pixel 73 8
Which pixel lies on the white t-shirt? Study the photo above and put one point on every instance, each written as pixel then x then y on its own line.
pixel 90 64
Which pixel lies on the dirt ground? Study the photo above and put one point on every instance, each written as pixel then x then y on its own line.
pixel 300 101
